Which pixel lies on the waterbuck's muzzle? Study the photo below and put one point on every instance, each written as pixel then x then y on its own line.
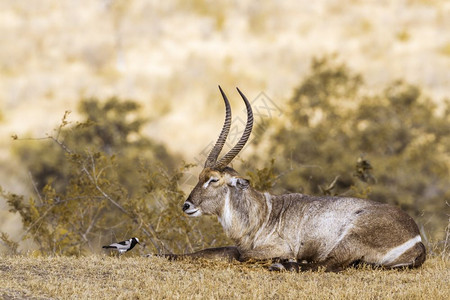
pixel 191 210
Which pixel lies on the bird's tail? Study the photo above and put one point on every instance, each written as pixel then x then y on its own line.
pixel 108 247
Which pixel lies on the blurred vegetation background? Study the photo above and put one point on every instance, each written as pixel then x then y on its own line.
pixel 101 179
pixel 351 98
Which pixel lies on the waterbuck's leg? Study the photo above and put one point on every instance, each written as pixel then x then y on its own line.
pixel 285 265
pixel 345 255
pixel 226 253
pixel 338 259
pixel 412 258
pixel 291 266
pixel 341 257
pixel 330 265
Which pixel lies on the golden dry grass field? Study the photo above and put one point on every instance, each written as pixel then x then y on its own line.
pixel 171 55
pixel 104 277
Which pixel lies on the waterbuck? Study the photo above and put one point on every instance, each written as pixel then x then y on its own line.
pixel 301 232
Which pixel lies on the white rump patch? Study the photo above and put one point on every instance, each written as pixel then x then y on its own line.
pixel 396 252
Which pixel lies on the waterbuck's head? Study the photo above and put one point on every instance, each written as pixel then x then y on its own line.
pixel 217 181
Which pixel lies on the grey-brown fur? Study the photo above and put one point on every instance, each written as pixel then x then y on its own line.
pixel 303 232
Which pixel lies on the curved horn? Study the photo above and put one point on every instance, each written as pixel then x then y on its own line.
pixel 212 157
pixel 227 158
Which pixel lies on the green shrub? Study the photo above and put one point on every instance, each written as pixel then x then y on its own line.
pixel 100 181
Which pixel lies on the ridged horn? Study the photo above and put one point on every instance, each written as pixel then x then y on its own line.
pixel 227 158
pixel 212 157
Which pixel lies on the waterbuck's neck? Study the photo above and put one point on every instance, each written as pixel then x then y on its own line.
pixel 243 212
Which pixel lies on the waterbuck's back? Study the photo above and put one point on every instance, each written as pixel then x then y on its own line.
pixel 349 228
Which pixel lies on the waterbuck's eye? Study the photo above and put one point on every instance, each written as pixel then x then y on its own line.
pixel 212 179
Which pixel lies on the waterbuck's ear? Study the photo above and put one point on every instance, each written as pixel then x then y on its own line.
pixel 239 182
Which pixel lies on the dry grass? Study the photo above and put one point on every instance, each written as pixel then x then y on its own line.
pixel 97 277
pixel 170 56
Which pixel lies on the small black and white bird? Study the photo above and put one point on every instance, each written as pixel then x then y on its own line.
pixel 123 246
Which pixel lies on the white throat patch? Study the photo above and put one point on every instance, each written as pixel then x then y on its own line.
pixel 227 215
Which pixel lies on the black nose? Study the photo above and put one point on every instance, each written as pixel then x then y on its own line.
pixel 186 206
